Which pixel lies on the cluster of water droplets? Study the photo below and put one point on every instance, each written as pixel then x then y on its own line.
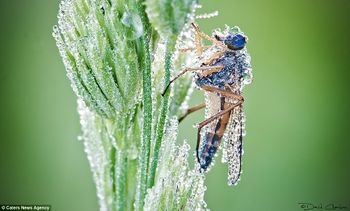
pixel 132 20
pixel 101 62
pixel 207 15
pixel 157 82
pixel 111 155
pixel 97 149
pixel 176 187
pixel 183 87
pixel 97 40
pixel 178 14
pixel 233 145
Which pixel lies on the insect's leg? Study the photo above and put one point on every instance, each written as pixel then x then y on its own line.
pixel 207 37
pixel 198 42
pixel 210 119
pixel 191 110
pixel 192 49
pixel 225 93
pixel 187 70
pixel 199 47
pixel 213 57
pixel 211 70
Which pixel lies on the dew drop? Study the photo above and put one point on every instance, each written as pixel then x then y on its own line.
pixel 126 19
pixel 247 78
pixel 133 24
pixel 207 15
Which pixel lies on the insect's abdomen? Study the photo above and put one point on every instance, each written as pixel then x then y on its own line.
pixel 212 140
pixel 209 149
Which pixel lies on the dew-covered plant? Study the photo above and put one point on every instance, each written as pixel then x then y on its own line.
pixel 119 55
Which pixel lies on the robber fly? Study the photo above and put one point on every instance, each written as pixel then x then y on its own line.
pixel 223 70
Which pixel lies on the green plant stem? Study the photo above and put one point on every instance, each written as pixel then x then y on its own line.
pixel 147 112
pixel 147 125
pixel 121 167
pixel 163 114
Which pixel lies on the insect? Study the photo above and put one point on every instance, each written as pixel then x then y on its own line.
pixel 222 71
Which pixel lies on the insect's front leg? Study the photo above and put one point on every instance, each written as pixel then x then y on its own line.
pixel 216 68
pixel 199 33
pixel 198 41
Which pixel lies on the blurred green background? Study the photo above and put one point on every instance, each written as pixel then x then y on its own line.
pixel 297 144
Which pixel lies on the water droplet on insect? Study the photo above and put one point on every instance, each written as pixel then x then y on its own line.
pixel 247 78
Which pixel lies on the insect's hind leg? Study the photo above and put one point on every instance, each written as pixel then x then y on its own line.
pixel 210 119
pixel 225 93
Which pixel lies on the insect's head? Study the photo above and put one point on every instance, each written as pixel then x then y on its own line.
pixel 235 41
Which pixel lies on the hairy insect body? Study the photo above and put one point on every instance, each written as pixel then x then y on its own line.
pixel 234 74
pixel 235 69
pixel 226 76
pixel 221 71
pixel 229 77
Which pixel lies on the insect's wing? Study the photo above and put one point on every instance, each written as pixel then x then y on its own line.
pixel 232 146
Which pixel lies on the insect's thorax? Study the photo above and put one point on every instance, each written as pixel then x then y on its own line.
pixel 236 68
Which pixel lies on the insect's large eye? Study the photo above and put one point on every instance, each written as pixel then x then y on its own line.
pixel 235 42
